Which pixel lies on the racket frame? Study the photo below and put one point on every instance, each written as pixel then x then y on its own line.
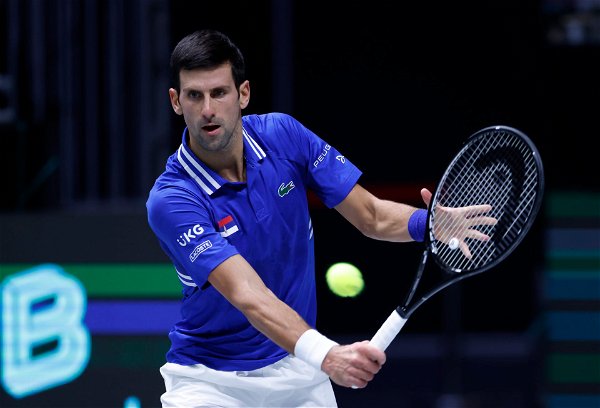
pixel 396 320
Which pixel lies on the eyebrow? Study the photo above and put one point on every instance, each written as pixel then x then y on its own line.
pixel 193 88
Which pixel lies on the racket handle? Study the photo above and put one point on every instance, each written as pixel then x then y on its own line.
pixel 388 331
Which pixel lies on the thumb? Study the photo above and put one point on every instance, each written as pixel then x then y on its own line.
pixel 426 196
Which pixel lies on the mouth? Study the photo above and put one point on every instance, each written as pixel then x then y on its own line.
pixel 210 129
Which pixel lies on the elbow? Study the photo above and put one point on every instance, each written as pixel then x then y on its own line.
pixel 368 228
pixel 368 224
pixel 254 304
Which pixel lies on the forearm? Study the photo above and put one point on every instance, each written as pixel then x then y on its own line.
pixel 240 284
pixel 351 365
pixel 376 218
pixel 274 318
pixel 390 221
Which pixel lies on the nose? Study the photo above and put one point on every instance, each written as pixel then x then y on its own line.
pixel 207 108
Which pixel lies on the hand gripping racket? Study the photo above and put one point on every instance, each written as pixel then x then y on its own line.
pixel 498 166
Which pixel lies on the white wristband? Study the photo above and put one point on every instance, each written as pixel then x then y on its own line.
pixel 312 347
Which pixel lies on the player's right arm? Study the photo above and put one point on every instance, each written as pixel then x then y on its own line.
pixel 348 365
pixel 235 279
pixel 175 213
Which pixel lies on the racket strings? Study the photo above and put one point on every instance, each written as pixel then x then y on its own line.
pixel 478 185
pixel 489 171
pixel 510 232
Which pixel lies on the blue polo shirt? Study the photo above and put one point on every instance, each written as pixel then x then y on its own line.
pixel 201 219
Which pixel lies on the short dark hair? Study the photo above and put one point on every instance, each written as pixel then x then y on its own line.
pixel 206 49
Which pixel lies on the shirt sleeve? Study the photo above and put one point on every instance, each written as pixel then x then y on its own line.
pixel 186 231
pixel 329 173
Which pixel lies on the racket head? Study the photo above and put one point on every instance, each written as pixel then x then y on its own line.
pixel 500 166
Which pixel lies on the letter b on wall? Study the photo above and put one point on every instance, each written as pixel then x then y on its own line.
pixel 44 342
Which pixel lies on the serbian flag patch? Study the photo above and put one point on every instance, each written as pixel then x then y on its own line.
pixel 227 226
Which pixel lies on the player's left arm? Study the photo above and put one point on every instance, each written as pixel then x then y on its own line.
pixel 377 218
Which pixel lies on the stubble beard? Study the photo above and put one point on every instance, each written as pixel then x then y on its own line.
pixel 221 143
pixel 217 144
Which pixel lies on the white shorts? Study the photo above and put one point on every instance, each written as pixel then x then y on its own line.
pixel 290 382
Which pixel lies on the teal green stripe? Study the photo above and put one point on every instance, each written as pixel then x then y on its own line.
pixel 573 204
pixel 582 264
pixel 574 368
pixel 117 280
pixel 133 352
pixel 573 274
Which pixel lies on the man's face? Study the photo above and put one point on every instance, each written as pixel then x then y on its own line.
pixel 211 106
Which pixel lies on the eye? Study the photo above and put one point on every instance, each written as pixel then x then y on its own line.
pixel 194 94
pixel 218 93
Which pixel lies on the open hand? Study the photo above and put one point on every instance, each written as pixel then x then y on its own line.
pixel 457 223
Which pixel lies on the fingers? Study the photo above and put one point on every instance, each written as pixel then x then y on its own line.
pixel 368 363
pixel 457 222
pixel 473 210
pixel 426 196
pixel 465 250
pixel 354 365
pixel 476 234
pixel 482 221
pixel 374 353
pixel 359 378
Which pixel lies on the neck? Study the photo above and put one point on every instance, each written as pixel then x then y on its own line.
pixel 234 169
pixel 229 164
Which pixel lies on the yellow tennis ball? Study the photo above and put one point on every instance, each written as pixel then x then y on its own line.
pixel 344 279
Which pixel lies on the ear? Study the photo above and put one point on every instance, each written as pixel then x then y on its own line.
pixel 244 94
pixel 174 96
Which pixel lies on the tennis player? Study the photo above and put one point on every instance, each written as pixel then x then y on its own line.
pixel 231 212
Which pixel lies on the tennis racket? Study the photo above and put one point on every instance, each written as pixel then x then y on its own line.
pixel 482 208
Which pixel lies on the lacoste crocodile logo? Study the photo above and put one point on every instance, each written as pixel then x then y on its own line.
pixel 285 188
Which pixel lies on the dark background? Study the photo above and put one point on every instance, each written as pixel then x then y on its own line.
pixel 396 89
pixel 86 127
